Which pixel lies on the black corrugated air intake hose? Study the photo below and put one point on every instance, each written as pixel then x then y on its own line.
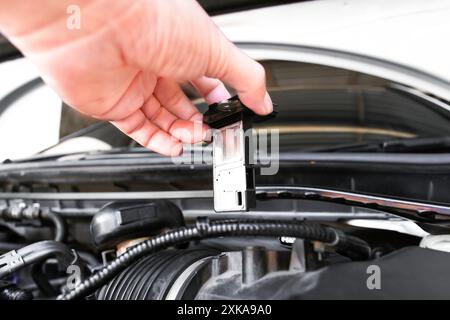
pixel 153 276
pixel 353 247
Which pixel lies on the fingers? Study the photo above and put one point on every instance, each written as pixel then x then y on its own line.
pixel 169 93
pixel 212 90
pixel 184 130
pixel 138 127
pixel 245 75
pixel 137 90
pixel 178 116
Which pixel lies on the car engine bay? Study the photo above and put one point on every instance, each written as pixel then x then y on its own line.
pixel 298 243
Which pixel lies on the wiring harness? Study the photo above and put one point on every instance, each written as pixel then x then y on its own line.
pixel 353 247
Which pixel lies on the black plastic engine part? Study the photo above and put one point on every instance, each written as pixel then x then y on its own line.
pixel 119 221
pixel 152 277
pixel 408 273
pixel 204 229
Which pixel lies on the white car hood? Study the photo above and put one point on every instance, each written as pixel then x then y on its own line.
pixel 412 34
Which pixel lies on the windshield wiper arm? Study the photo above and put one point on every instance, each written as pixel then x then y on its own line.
pixel 414 210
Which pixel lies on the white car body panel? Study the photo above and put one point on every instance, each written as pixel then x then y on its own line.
pixel 31 123
pixel 409 34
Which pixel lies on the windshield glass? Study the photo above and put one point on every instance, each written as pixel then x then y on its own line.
pixel 319 107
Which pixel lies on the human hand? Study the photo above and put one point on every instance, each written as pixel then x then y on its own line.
pixel 127 59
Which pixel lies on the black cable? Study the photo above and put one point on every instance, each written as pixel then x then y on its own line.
pixel 206 229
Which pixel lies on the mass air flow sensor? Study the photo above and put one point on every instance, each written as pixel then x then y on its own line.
pixel 233 152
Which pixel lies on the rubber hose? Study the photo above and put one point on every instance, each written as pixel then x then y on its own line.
pixel 58 222
pixel 43 250
pixel 206 229
pixel 34 253
pixel 41 281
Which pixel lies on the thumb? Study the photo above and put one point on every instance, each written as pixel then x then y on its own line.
pixel 239 71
